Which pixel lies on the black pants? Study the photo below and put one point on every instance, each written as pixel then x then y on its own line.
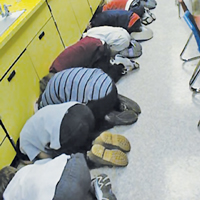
pixel 101 107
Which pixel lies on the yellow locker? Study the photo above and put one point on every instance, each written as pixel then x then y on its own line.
pixel 94 5
pixel 19 91
pixel 7 153
pixel 65 19
pixel 19 41
pixel 44 48
pixel 82 12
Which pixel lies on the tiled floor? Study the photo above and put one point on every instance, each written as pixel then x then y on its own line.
pixel 164 162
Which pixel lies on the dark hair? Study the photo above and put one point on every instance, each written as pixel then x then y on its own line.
pixel 6 175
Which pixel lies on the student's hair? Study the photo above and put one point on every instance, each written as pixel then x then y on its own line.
pixel 44 81
pixel 6 175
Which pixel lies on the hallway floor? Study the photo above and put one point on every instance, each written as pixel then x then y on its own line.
pixel 164 161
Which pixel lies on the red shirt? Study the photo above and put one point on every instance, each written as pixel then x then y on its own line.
pixel 84 53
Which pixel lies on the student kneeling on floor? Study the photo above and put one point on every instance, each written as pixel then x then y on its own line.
pixel 61 178
pixel 69 128
pixel 92 87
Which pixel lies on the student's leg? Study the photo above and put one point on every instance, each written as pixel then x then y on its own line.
pixel 75 182
pixel 102 107
pixel 116 71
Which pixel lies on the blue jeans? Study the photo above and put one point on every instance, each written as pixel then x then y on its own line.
pixel 75 182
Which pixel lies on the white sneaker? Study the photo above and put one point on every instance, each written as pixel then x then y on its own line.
pixel 103 190
pixel 129 65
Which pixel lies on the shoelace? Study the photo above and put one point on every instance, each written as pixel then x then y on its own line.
pixel 101 181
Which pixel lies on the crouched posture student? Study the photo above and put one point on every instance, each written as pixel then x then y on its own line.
pixel 55 129
pixel 88 52
pixel 118 39
pixel 61 178
pixel 117 18
pixel 90 86
pixel 69 128
pixel 132 5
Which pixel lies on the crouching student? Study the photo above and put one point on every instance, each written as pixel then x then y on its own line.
pixel 89 52
pixel 69 128
pixel 118 39
pixel 132 5
pixel 61 178
pixel 135 6
pixel 90 86
pixel 117 18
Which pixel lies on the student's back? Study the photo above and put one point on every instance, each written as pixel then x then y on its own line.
pixel 90 86
pixel 77 84
pixel 117 18
pixel 87 52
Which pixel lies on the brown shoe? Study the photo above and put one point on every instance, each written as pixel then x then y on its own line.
pixel 113 141
pixel 105 157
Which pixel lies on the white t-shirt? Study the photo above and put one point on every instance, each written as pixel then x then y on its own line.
pixel 36 181
pixel 116 37
pixel 43 128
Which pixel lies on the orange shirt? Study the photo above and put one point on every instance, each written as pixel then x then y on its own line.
pixel 115 4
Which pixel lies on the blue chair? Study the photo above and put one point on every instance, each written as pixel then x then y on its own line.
pixel 188 17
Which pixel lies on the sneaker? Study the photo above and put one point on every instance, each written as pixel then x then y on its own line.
pixel 105 157
pixel 144 34
pixel 129 65
pixel 148 17
pixel 113 141
pixel 128 104
pixel 150 13
pixel 134 51
pixel 137 47
pixel 150 4
pixel 103 189
pixel 117 118
pixel 132 66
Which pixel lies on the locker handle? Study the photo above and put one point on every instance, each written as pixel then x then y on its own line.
pixel 11 75
pixel 41 35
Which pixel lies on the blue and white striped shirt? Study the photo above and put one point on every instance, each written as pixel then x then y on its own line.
pixel 77 84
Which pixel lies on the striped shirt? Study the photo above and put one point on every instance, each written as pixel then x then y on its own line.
pixel 77 84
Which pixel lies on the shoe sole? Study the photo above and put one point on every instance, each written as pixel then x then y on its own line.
pixel 126 117
pixel 112 141
pixel 131 105
pixel 105 157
